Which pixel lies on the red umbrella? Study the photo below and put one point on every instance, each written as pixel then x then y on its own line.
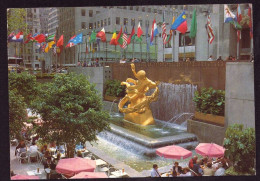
pixel 24 177
pixel 210 149
pixel 72 166
pixel 174 152
pixel 90 175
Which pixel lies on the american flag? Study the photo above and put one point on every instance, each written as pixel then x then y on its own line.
pixel 211 35
pixel 54 50
pixel 164 35
pixel 124 40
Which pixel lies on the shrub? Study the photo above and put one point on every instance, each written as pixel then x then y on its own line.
pixel 210 101
pixel 114 88
pixel 240 147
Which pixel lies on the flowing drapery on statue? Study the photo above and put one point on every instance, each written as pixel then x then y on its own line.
pixel 138 110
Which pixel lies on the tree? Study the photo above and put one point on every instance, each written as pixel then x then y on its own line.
pixel 240 147
pixel 71 111
pixel 16 20
pixel 26 86
pixel 17 113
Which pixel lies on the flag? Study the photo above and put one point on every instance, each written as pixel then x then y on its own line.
pixel 154 31
pixel 49 46
pixel 147 40
pixel 211 35
pixel 70 41
pixel 239 18
pixel 228 15
pixel 43 47
pixel 164 35
pixel 102 35
pixel 119 40
pixel 10 36
pixel 60 41
pixel 29 38
pixel 171 32
pixel 193 27
pixel 40 38
pixel 93 36
pixel 139 32
pixel 78 39
pixel 113 39
pixel 50 38
pixel 249 13
pixel 18 37
pixel 98 44
pixel 180 23
pixel 124 39
pixel 132 36
pixel 54 49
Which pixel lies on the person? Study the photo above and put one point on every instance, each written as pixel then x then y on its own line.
pixel 79 154
pixel 219 58
pixel 84 64
pixel 220 170
pixel 210 58
pixel 133 60
pixel 33 147
pixel 20 145
pixel 188 60
pixel 97 63
pixel 136 60
pixel 52 145
pixel 47 154
pixel 204 161
pixel 53 173
pixel 56 160
pixel 47 163
pixel 193 161
pixel 208 171
pixel 122 60
pixel 197 169
pixel 185 172
pixel 12 173
pixel 61 148
pixel 176 168
pixel 154 172
pixel 44 148
pixel 78 64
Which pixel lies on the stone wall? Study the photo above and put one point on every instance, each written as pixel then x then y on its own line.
pixel 202 73
pixel 240 101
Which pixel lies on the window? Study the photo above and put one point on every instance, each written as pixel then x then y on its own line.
pixel 101 23
pixel 141 22
pixel 83 12
pixel 124 7
pixel 97 12
pixel 188 40
pixel 108 21
pixel 90 13
pixel 105 22
pixel 36 57
pixel 143 9
pixel 147 22
pixel 137 8
pixel 83 25
pixel 118 20
pixel 131 8
pixel 160 11
pixel 149 10
pixel 95 25
pixel 36 30
pixel 34 16
pixel 98 24
pixel 132 22
pixel 34 10
pixel 155 10
pixel 90 25
pixel 125 21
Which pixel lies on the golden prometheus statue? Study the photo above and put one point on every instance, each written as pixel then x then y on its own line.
pixel 138 111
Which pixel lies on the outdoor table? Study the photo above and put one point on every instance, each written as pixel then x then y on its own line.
pixel 100 162
pixel 87 158
pixel 52 150
pixel 165 175
pixel 119 173
pixel 83 152
pixel 34 172
pixel 61 156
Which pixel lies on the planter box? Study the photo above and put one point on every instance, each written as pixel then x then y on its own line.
pixel 111 98
pixel 210 118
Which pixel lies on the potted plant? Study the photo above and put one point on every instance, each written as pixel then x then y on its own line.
pixel 210 105
pixel 114 90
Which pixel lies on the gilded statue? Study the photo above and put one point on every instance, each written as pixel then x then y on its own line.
pixel 138 110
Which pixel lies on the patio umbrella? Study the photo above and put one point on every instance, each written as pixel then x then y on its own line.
pixel 210 150
pixel 72 166
pixel 173 152
pixel 24 177
pixel 90 175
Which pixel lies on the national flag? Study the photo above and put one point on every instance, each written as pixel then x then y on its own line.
pixel 51 37
pixel 10 36
pixel 139 33
pixel 40 38
pixel 124 39
pixel 60 41
pixel 249 13
pixel 18 37
pixel 69 44
pixel 211 35
pixel 239 18
pixel 147 39
pixel 43 47
pixel 228 15
pixel 164 35
pixel 78 39
pixel 93 36
pixel 171 32
pixel 132 35
pixel 193 27
pixel 28 38
pixel 180 23
pixel 154 31
pixel 119 39
pixel 102 35
pixel 113 39
pixel 49 46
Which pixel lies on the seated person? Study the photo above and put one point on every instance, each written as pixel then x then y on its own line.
pixel 176 168
pixel 33 148
pixel 193 161
pixel 53 173
pixel 44 148
pixel 12 173
pixel 52 145
pixel 185 172
pixel 22 149
pixel 79 147
pixel 61 149
pixel 197 171
pixel 204 161
pixel 47 154
pixel 79 154
pixel 47 163
pixel 56 160
pixel 208 170
pixel 220 170
pixel 155 172
pixel 20 145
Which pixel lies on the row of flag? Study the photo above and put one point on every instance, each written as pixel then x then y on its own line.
pixel 45 42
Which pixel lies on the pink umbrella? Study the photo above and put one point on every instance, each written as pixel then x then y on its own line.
pixel 174 152
pixel 210 149
pixel 90 175
pixel 72 166
pixel 24 177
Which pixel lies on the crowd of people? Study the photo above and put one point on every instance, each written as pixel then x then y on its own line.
pixel 196 167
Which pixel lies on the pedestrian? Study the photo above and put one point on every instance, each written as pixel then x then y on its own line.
pixel 78 64
pixel 219 58
pixel 97 63
pixel 210 58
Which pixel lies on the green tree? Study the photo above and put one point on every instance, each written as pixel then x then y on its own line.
pixel 16 20
pixel 17 113
pixel 240 147
pixel 71 111
pixel 26 85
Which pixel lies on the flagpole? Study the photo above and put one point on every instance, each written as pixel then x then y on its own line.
pixel 238 40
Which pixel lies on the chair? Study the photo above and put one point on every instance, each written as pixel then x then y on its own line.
pixel 33 155
pixel 23 156
pixel 40 156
